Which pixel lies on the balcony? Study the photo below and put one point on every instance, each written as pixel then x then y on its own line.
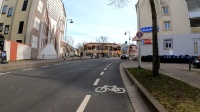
pixel 194 14
pixel 193 8
pixel 195 29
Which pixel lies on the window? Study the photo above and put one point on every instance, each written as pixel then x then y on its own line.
pixel 165 10
pixel 24 5
pixel 34 41
pixel 195 46
pixel 106 47
pixel 6 29
pixel 10 11
pixel 21 25
pixel 36 24
pixel 1 27
pixel 168 44
pixel 167 25
pixel 4 9
pixel 19 41
pixel 40 6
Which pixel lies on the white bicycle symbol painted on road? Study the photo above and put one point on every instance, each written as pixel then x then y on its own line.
pixel 111 88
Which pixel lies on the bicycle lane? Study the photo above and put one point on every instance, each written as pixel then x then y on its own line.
pixel 106 99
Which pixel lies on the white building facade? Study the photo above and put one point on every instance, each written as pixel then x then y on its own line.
pixel 1 6
pixel 178 27
pixel 45 31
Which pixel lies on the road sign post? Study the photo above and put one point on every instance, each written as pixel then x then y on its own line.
pixel 139 34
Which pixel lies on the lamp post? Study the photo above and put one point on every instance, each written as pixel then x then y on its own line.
pixel 129 43
pixel 71 21
pixel 102 45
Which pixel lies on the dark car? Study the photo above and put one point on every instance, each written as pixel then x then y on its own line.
pixel 196 62
pixel 124 56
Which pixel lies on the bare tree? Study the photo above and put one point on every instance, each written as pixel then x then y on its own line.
pixel 155 63
pixel 80 46
pixel 68 46
pixel 118 3
pixel 102 40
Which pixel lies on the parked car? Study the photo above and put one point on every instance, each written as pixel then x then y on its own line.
pixel 124 56
pixel 196 62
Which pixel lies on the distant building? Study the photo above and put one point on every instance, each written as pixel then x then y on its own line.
pixel 102 49
pixel 39 23
pixel 178 27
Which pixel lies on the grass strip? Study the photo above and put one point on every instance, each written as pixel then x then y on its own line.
pixel 173 94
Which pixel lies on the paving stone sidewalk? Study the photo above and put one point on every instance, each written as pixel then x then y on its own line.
pixel 178 71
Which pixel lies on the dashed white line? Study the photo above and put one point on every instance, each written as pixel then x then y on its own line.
pixel 105 68
pixel 84 103
pixel 45 66
pixel 96 82
pixel 5 73
pixel 27 69
pixel 58 64
pixel 102 73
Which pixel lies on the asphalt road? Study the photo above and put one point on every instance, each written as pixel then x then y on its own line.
pixel 65 87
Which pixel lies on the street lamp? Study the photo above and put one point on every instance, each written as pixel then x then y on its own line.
pixel 71 21
pixel 102 45
pixel 129 42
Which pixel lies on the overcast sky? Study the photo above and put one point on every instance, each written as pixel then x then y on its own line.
pixel 95 18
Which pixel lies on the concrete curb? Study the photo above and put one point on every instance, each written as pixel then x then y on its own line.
pixel 151 102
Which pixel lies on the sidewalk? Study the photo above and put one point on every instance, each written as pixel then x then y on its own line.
pixel 177 71
pixel 32 63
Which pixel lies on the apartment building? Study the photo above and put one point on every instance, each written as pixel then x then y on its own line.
pixel 178 27
pixel 39 23
pixel 102 49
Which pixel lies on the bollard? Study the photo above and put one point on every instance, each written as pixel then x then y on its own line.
pixel 190 61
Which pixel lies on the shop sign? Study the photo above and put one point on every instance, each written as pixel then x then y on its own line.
pixel 148 29
pixel 146 41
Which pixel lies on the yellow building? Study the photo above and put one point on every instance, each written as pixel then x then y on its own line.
pixel 102 49
pixel 178 27
pixel 39 23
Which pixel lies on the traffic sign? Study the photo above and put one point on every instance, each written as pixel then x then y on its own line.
pixel 139 34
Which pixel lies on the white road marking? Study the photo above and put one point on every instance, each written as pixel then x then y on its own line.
pixel 58 64
pixel 67 62
pixel 3 73
pixel 8 72
pixel 45 66
pixel 27 69
pixel 102 73
pixel 105 68
pixel 84 103
pixel 96 82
